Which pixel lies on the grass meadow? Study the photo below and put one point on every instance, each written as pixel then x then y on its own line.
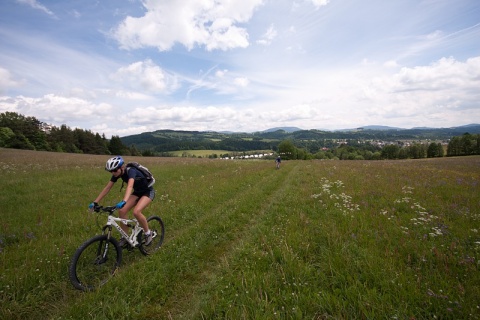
pixel 314 240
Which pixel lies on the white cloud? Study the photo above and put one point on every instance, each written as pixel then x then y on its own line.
pixel 391 64
pixel 241 81
pixel 320 3
pixel 36 5
pixel 430 95
pixel 433 93
pixel 195 115
pixel 291 114
pixel 268 36
pixel 220 73
pixel 444 74
pixel 208 23
pixel 7 81
pixel 221 82
pixel 76 14
pixel 56 109
pixel 146 76
pixel 305 68
pixel 131 95
pixel 217 118
pixel 438 94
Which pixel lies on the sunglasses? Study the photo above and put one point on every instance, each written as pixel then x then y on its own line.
pixel 114 170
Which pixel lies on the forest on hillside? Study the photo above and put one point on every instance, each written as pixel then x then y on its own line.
pixel 22 132
pixel 26 132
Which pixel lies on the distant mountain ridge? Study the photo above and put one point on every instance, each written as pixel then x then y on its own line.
pixel 372 127
pixel 286 129
pixel 388 128
pixel 162 141
pixel 369 127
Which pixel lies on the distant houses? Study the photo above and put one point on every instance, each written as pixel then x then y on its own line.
pixel 248 156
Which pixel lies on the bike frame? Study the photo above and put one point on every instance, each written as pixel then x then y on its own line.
pixel 103 253
pixel 132 239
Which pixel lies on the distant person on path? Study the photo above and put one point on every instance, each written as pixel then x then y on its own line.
pixel 138 194
pixel 277 162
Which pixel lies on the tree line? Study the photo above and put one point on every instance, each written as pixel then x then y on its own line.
pixel 21 132
pixel 465 145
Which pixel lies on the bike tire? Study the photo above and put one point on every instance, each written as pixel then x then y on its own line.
pixel 155 224
pixel 94 262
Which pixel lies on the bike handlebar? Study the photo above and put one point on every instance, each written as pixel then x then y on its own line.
pixel 109 209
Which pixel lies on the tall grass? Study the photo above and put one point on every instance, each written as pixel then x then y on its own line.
pixel 313 240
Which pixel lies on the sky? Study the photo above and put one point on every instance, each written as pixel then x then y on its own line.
pixel 123 67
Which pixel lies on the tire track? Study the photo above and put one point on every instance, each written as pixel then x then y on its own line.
pixel 179 304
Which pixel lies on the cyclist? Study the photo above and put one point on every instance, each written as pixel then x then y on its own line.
pixel 278 161
pixel 138 194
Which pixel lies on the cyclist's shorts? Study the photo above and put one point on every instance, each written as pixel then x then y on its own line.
pixel 149 193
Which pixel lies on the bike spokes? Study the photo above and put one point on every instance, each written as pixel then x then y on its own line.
pixel 155 224
pixel 94 263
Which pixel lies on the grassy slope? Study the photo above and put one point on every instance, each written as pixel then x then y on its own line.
pixel 315 239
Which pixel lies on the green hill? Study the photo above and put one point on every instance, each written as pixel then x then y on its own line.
pixel 312 140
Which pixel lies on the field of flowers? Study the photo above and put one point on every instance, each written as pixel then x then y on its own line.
pixel 313 240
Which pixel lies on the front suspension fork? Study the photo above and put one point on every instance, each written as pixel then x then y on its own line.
pixel 107 230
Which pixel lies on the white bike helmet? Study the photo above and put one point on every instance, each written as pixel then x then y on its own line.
pixel 114 163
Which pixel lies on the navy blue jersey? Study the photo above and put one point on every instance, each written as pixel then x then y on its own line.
pixel 141 183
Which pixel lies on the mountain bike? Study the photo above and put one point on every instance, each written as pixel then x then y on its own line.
pixel 99 258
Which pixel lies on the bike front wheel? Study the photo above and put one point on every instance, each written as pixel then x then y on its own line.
pixel 95 262
pixel 155 225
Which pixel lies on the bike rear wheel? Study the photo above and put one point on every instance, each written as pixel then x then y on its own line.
pixel 155 225
pixel 95 262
